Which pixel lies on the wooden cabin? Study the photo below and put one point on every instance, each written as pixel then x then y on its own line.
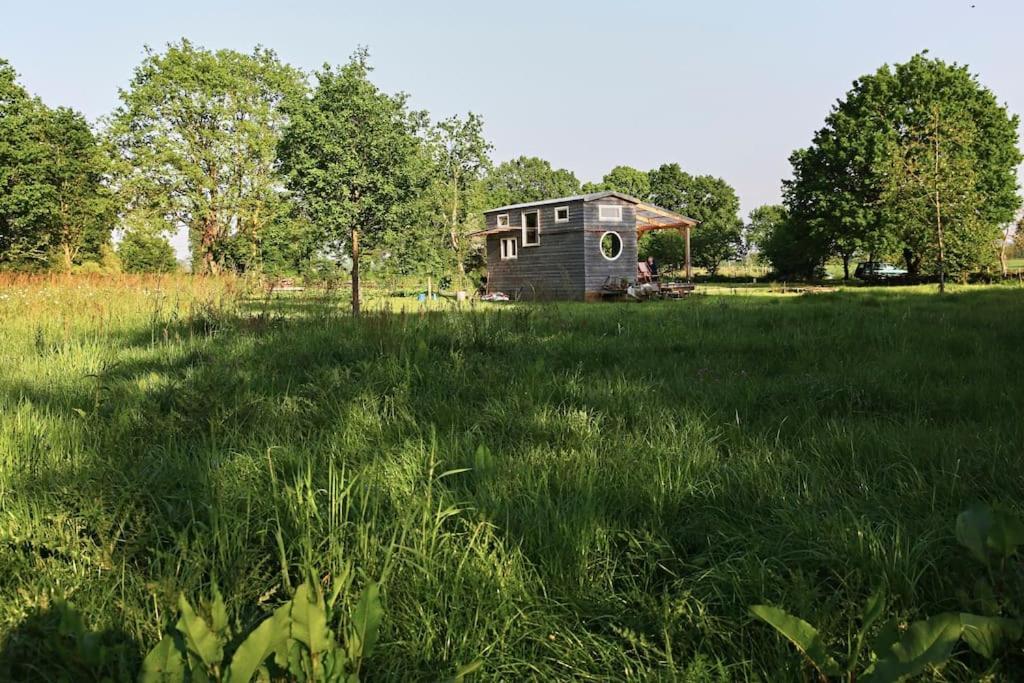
pixel 571 248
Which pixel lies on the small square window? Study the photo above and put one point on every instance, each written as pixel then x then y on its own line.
pixel 503 220
pixel 609 213
pixel 562 214
pixel 531 228
pixel 509 249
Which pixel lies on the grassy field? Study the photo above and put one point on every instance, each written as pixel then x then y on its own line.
pixel 566 492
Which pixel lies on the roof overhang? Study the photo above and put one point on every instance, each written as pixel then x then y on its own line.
pixel 494 231
pixel 648 216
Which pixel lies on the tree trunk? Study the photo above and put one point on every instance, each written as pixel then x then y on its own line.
pixel 846 266
pixel 1003 267
pixel 453 229
pixel 938 221
pixel 206 242
pixel 355 273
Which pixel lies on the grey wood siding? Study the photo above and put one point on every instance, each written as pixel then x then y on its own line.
pixel 552 270
pixel 568 263
pixel 598 268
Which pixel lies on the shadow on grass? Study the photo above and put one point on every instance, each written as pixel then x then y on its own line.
pixel 657 467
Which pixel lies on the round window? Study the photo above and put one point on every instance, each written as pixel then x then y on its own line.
pixel 611 245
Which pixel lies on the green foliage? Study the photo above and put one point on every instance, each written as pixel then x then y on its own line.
pixel 459 160
pixel 352 158
pixel 794 251
pixel 667 247
pixel 926 643
pixel 196 135
pixel 763 222
pixel 868 182
pixel 140 251
pixel 710 200
pixel 55 207
pixel 804 636
pixel 297 635
pixel 625 179
pixel 528 179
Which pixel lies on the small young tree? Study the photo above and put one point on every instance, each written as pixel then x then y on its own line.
pixel 349 154
pixel 460 159
pixel 932 185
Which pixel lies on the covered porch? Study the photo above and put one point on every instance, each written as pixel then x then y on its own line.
pixel 650 217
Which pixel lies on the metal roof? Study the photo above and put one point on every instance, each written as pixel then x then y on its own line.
pixel 655 215
pixel 575 198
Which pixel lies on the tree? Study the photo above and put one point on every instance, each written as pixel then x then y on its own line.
pixel 54 204
pixel 27 196
pixel 85 210
pixel 666 246
pixel 763 222
pixel 851 187
pixel 143 251
pixel 197 133
pixel 707 199
pixel 460 158
pixel 528 179
pixel 933 188
pixel 349 154
pixel 624 179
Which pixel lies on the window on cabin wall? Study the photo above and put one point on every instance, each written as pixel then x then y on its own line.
pixel 611 245
pixel 503 220
pixel 609 213
pixel 509 249
pixel 531 228
pixel 562 214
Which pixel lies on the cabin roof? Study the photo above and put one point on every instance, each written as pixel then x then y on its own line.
pixel 649 216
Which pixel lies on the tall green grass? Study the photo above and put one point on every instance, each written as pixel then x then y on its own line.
pixel 564 491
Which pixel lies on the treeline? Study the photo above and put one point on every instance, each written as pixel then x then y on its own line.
pixel 271 170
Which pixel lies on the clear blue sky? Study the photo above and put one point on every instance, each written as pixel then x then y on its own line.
pixel 728 88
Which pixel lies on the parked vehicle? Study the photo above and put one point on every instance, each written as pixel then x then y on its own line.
pixel 877 270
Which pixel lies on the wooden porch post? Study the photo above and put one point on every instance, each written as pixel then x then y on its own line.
pixel 689 270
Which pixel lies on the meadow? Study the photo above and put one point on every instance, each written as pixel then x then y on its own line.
pixel 559 491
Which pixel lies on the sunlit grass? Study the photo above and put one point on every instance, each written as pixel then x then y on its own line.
pixel 568 491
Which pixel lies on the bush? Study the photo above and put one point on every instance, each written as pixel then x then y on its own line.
pixel 143 252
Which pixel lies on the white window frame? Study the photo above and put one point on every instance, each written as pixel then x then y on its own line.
pixel 498 220
pixel 562 208
pixel 617 218
pixel 526 242
pixel 503 249
pixel 622 245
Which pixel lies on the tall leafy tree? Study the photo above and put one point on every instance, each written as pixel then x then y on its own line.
pixel 27 196
pixel 350 156
pixel 85 209
pixel 54 203
pixel 528 179
pixel 844 188
pixel 197 133
pixel 710 200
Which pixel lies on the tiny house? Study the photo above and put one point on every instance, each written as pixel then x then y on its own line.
pixel 571 248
